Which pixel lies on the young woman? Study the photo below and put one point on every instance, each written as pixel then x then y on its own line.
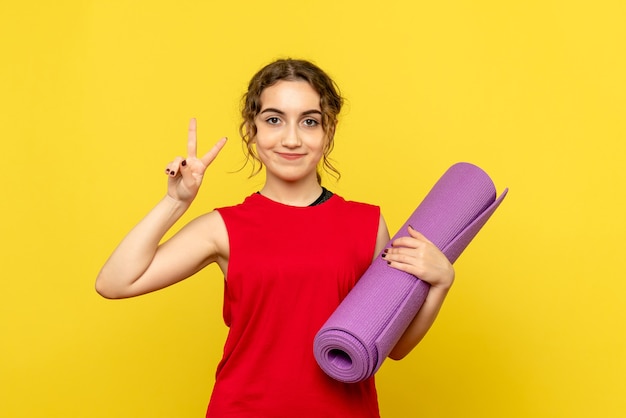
pixel 289 253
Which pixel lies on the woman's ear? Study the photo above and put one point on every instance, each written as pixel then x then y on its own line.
pixel 250 132
pixel 334 129
pixel 331 134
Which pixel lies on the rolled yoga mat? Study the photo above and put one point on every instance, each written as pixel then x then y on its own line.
pixel 360 334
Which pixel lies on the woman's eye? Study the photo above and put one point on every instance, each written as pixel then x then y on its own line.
pixel 311 122
pixel 273 120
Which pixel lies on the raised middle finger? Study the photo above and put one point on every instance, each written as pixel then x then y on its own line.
pixel 192 140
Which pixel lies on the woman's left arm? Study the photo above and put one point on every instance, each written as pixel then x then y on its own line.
pixel 416 255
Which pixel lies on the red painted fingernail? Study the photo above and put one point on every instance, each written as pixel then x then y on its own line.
pixel 184 163
pixel 172 173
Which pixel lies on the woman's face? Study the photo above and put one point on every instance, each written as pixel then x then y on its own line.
pixel 290 138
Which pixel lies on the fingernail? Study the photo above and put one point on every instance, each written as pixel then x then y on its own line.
pixel 384 254
pixel 184 163
pixel 172 173
pixel 167 170
pixel 386 250
pixel 411 226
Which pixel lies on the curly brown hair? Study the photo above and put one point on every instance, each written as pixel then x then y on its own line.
pixel 291 70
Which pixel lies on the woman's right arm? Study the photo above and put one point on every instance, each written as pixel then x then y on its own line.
pixel 140 264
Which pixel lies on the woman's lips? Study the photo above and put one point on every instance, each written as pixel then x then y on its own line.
pixel 290 156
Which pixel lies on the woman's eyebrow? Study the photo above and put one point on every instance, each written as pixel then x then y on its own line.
pixel 280 112
pixel 272 110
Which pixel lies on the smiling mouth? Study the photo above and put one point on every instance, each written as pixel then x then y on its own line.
pixel 290 156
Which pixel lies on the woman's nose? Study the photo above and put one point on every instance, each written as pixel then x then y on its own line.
pixel 291 139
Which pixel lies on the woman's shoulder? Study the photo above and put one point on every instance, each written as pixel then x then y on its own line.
pixel 356 203
pixel 209 224
pixel 349 211
pixel 247 204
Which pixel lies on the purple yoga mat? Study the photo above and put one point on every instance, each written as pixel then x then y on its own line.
pixel 360 334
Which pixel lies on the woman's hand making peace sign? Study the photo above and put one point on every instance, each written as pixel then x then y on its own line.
pixel 185 175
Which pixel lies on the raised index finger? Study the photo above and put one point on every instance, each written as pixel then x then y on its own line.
pixel 192 138
pixel 210 156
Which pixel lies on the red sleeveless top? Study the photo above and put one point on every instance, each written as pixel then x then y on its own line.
pixel 289 269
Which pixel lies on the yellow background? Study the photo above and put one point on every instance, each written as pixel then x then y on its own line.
pixel 95 100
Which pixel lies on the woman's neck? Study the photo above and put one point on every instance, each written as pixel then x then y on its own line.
pixel 292 194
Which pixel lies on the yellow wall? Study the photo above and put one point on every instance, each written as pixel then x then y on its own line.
pixel 95 98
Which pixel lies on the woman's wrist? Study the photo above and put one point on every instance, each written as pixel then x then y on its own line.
pixel 176 203
pixel 175 207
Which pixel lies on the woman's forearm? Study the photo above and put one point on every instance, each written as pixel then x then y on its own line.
pixel 135 252
pixel 421 323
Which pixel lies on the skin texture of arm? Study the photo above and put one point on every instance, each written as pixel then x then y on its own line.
pixel 140 264
pixel 416 255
